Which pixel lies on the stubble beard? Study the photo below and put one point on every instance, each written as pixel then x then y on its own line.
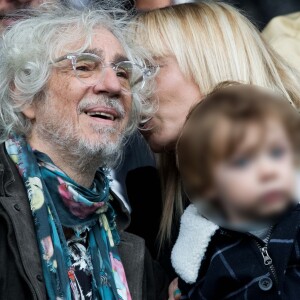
pixel 80 151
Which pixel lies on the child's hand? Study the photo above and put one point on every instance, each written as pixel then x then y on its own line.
pixel 174 292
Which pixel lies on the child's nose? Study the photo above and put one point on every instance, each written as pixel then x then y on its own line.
pixel 266 169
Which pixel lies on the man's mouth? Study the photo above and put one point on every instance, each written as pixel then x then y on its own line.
pixel 101 115
pixel 107 114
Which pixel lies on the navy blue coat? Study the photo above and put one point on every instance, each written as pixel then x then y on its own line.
pixel 236 265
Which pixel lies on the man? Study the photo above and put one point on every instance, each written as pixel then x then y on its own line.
pixel 70 91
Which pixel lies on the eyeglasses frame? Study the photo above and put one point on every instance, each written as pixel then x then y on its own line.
pixel 146 71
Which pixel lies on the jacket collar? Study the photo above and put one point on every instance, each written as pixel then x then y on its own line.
pixel 194 237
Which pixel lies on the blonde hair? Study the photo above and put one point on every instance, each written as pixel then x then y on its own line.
pixel 212 42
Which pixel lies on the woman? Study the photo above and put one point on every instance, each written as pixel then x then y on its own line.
pixel 197 46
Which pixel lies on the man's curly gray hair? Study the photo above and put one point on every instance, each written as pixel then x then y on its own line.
pixel 28 48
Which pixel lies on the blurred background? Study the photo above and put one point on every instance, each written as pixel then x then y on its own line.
pixel 262 11
pixel 259 11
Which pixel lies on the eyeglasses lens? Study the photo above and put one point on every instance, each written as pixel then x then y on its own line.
pixel 90 71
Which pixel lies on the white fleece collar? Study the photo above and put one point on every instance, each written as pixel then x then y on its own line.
pixel 194 236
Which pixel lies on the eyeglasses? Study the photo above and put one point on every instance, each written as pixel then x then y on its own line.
pixel 90 69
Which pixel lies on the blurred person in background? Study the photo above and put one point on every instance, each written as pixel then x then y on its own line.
pixel 262 11
pixel 283 34
pixel 196 46
pixel 7 6
pixel 259 11
pixel 11 6
pixel 151 4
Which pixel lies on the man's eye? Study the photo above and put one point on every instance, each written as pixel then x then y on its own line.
pixel 82 69
pixel 122 73
pixel 277 152
pixel 241 162
pixel 86 66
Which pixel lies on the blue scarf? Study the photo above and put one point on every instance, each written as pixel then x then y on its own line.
pixel 57 201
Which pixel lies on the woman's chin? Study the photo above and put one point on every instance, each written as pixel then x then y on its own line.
pixel 152 142
pixel 160 146
pixel 157 142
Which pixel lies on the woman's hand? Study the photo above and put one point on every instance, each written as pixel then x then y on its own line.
pixel 174 292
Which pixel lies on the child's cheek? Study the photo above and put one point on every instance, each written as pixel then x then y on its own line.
pixel 237 185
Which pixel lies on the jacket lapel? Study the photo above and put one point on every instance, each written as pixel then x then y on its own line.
pixel 15 202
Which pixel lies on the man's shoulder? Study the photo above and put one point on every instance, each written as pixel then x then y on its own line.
pixel 127 237
pixel 131 247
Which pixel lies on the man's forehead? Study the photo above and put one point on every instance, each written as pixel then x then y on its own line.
pixel 115 56
pixel 103 43
pixel 105 40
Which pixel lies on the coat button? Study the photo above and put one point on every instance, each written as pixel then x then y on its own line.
pixel 39 277
pixel 17 207
pixel 265 283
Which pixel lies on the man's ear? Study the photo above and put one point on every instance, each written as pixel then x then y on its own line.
pixel 29 112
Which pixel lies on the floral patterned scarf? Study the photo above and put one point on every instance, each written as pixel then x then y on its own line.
pixel 56 201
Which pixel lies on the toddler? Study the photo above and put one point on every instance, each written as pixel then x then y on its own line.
pixel 240 238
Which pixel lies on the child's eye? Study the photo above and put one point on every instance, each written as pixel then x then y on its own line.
pixel 277 152
pixel 241 162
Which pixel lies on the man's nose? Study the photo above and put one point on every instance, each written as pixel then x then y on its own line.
pixel 109 84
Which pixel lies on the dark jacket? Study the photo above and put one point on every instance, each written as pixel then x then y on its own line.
pixel 21 275
pixel 233 265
